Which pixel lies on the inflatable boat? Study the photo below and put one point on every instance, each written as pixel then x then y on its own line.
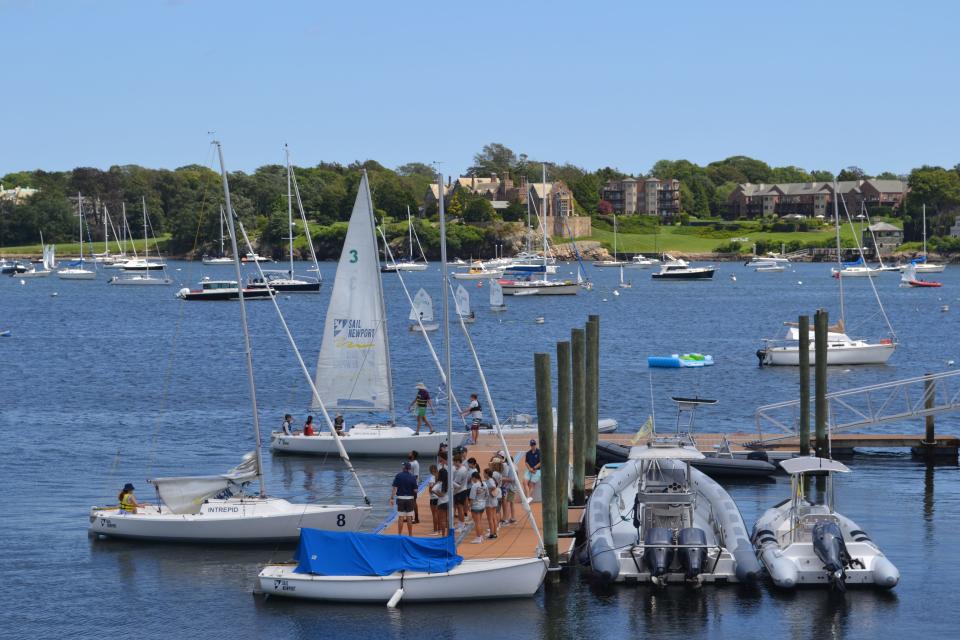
pixel 655 519
pixel 803 543
pixel 713 466
pixel 677 361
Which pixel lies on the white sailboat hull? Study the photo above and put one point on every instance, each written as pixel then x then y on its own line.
pixel 472 579
pixel 139 281
pixel 410 266
pixel 215 261
pixel 927 268
pixel 233 520
pixel 365 441
pixel 858 352
pixel 40 273
pixel 486 275
pixel 611 263
pixel 540 288
pixel 76 274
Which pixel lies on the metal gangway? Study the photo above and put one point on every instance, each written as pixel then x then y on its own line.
pixel 888 402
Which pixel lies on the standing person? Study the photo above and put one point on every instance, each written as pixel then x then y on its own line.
pixel 441 489
pixel 508 485
pixel 461 487
pixel 308 429
pixel 493 501
pixel 431 483
pixel 412 458
pixel 478 504
pixel 128 502
pixel 532 461
pixel 405 492
pixel 476 416
pixel 287 424
pixel 422 401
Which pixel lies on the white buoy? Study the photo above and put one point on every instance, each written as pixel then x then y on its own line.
pixel 616 293
pixel 54 294
pixel 395 598
pixel 733 277
pixel 539 320
pixel 799 281
pixel 22 281
pixel 949 363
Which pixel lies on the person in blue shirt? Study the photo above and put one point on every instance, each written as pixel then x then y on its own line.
pixel 404 492
pixel 531 475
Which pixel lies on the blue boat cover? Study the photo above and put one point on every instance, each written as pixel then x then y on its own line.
pixel 338 553
pixel 919 260
pixel 854 263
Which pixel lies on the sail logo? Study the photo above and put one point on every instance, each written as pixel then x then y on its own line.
pixel 352 328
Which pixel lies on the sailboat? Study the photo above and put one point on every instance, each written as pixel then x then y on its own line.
pixel 221 258
pixel 288 281
pixel 216 508
pixel 353 369
pixel 421 313
pixel 47 265
pixel 144 263
pixel 142 277
pixel 106 257
pixel 496 297
pixel 920 264
pixel 614 262
pixel 624 284
pixel 841 348
pixel 75 270
pixel 410 264
pixel 462 301
pixel 117 261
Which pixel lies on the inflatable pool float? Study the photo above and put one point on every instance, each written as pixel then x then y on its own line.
pixel 677 361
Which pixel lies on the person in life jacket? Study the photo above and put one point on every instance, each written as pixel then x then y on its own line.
pixel 128 503
pixel 422 401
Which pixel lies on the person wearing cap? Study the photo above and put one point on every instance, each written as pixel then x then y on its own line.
pixel 422 401
pixel 531 474
pixel 405 493
pixel 128 503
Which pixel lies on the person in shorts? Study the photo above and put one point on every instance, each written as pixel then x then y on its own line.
pixel 508 487
pixel 493 500
pixel 531 474
pixel 422 401
pixel 431 483
pixel 476 417
pixel 478 505
pixel 441 489
pixel 414 459
pixel 404 492
pixel 461 489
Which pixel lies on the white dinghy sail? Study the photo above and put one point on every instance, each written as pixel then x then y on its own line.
pixel 496 295
pixel 422 307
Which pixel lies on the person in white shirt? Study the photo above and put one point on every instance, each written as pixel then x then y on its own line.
pixel 478 505
pixel 415 470
pixel 476 417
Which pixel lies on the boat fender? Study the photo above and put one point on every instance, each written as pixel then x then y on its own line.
pixel 658 558
pixel 692 558
pixel 395 598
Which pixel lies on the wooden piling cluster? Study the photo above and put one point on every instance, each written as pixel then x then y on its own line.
pixel 578 393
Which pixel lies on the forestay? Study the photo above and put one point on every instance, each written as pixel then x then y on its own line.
pixel 186 494
pixel 338 553
pixel 422 308
pixel 353 371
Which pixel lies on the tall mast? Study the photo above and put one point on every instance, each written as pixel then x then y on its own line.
pixel 80 216
pixel 221 231
pixel 306 227
pixel 383 305
pixel 125 230
pixel 924 230
pixel 543 217
pixel 614 237
pixel 836 216
pixel 529 221
pixel 106 231
pixel 445 292
pixel 243 321
pixel 289 208
pixel 146 238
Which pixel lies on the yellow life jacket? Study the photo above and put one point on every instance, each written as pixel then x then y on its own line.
pixel 127 504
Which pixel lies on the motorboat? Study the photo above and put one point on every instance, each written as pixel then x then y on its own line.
pixel 14 268
pixel 841 348
pixel 388 569
pixel 524 423
pixel 421 313
pixel 771 268
pixel 253 256
pixel 679 269
pixel 221 290
pixel 139 279
pixel 216 260
pixel 655 519
pixel 803 543
pixel 284 281
pixel 644 262
pixel 477 273
pixel 764 263
pixel 364 440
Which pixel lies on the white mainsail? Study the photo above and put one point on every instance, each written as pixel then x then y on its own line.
pixel 353 369
pixel 496 294
pixel 422 308
pixel 462 300
pixel 49 259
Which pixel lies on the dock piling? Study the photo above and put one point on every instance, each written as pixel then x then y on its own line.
pixel 548 477
pixel 820 381
pixel 804 385
pixel 563 434
pixel 578 349
pixel 929 395
pixel 593 392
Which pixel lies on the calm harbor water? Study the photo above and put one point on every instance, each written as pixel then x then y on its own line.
pixel 105 385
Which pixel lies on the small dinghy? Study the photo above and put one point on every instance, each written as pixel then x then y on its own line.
pixel 803 543
pixel 421 314
pixel 909 278
pixel 388 569
pixel 677 361
pixel 655 519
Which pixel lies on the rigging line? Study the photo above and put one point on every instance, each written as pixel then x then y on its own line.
pixel 423 331
pixel 303 367
pixel 873 285
pixel 499 429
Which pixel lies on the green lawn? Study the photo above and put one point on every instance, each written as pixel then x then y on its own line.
pixel 73 248
pixel 680 239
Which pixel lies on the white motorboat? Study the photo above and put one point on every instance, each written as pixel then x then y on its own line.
pixel 353 368
pixel 76 270
pixel 253 256
pixel 222 290
pixel 139 279
pixel 644 262
pixel 679 269
pixel 216 508
pixel 771 268
pixel 364 440
pixel 655 519
pixel 800 543
pixel 421 313
pixel 478 273
pixel 769 260
pixel 470 580
pixel 496 296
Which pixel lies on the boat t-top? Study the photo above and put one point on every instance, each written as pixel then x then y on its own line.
pixel 800 542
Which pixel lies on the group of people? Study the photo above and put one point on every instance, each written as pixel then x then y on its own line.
pixel 308 428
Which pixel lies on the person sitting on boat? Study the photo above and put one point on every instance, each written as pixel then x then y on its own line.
pixel 531 474
pixel 128 502
pixel 476 416
pixel 308 429
pixel 338 424
pixel 405 493
pixel 287 424
pixel 422 401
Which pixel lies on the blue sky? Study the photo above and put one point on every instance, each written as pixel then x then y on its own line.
pixel 816 84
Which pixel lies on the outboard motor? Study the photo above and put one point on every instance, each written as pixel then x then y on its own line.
pixel 761 354
pixel 659 558
pixel 692 559
pixel 758 455
pixel 830 548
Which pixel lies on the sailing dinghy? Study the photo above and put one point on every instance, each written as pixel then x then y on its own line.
pixel 462 302
pixel 421 313
pixel 353 369
pixel 496 296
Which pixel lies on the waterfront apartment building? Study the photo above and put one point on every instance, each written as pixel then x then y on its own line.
pixel 650 196
pixel 813 199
